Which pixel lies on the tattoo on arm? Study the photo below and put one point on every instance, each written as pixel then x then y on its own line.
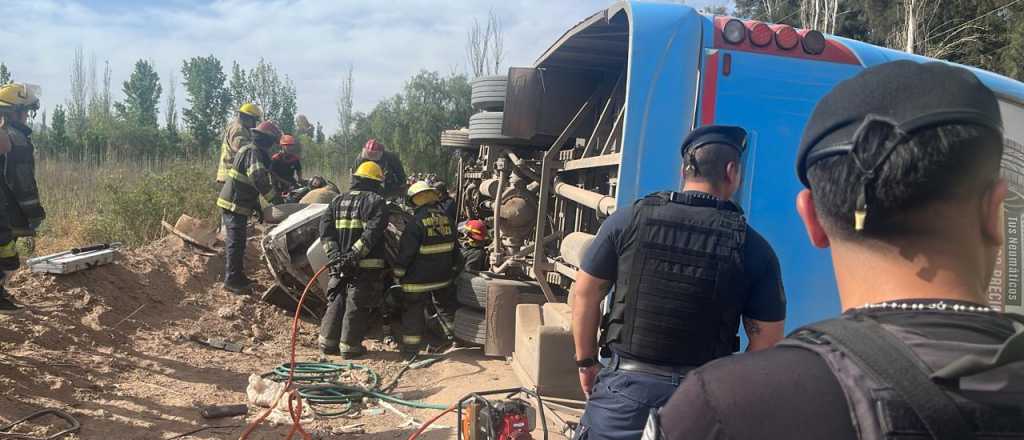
pixel 751 326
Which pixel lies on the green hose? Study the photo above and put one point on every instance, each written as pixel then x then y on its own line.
pixel 320 384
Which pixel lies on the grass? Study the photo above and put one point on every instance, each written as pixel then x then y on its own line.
pixel 126 200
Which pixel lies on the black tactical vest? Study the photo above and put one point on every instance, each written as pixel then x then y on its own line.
pixel 989 397
pixel 681 283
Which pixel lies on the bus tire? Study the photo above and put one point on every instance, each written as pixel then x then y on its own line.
pixel 485 128
pixel 455 139
pixel 470 326
pixel 472 290
pixel 488 92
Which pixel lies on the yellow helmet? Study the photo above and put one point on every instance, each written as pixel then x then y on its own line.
pixel 422 193
pixel 419 187
pixel 370 170
pixel 251 110
pixel 18 97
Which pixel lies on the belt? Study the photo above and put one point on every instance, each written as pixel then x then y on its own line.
pixel 621 363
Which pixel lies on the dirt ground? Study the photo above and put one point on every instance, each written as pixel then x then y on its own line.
pixel 114 347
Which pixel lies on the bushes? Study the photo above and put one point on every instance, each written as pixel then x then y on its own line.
pixel 129 208
pixel 120 201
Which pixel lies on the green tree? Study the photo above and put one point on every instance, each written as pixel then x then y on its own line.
pixel 410 121
pixel 263 86
pixel 142 96
pixel 208 98
pixel 5 75
pixel 59 143
pixel 171 112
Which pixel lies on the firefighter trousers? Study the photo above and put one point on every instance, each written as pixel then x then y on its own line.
pixel 414 315
pixel 235 237
pixel 8 246
pixel 348 311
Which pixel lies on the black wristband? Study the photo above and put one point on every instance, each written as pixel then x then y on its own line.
pixel 587 363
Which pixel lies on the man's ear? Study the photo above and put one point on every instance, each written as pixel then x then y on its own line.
pixel 815 232
pixel 733 172
pixel 991 214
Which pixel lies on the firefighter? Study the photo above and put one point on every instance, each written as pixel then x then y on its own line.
pixel 426 264
pixel 248 178
pixel 20 210
pixel 474 245
pixel 286 164
pixel 394 174
pixel 446 202
pixel 901 169
pixel 686 268
pixel 237 134
pixel 352 233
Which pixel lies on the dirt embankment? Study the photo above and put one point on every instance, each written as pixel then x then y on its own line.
pixel 114 346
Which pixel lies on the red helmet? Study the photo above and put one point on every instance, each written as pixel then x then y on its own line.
pixel 268 128
pixel 287 140
pixel 476 229
pixel 373 150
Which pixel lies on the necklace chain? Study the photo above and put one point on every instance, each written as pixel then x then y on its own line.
pixel 940 306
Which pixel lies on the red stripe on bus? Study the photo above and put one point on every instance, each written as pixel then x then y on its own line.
pixel 710 92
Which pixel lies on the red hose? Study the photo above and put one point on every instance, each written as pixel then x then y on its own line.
pixel 295 409
pixel 427 424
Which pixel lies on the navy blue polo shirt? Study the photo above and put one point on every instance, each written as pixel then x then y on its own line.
pixel 766 300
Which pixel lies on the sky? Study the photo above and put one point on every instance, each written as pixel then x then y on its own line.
pixel 312 41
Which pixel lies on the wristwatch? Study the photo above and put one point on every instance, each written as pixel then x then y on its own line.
pixel 587 363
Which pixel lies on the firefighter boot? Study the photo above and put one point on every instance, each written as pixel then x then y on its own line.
pixel 349 352
pixel 7 304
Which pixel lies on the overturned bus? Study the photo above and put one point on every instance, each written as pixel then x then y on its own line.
pixel 597 123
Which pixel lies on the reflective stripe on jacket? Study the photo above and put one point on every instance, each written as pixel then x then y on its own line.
pixel 355 222
pixel 248 179
pixel 426 253
pixel 235 137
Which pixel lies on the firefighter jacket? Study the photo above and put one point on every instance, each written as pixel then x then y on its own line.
pixel 394 173
pixel 18 186
pixel 427 259
pixel 355 222
pixel 248 179
pixel 235 137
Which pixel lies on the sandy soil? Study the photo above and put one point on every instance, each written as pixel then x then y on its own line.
pixel 114 347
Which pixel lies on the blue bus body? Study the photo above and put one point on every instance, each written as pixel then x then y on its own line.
pixel 680 76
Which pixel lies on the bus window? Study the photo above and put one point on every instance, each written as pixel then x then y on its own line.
pixel 1004 292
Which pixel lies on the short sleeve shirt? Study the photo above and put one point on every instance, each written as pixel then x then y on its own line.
pixel 766 300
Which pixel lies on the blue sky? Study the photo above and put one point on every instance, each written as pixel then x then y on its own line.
pixel 312 41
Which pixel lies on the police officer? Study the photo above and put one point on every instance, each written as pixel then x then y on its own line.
pixel 394 173
pixel 901 168
pixel 248 178
pixel 20 210
pixel 426 264
pixel 686 267
pixel 352 234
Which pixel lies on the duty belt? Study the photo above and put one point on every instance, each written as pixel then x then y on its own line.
pixel 675 371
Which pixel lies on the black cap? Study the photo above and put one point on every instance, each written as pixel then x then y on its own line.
pixel 730 135
pixel 907 95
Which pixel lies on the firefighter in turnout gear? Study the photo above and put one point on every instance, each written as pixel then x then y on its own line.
pixel 237 134
pixel 686 268
pixel 249 178
pixel 20 210
pixel 352 234
pixel 394 173
pixel 427 262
